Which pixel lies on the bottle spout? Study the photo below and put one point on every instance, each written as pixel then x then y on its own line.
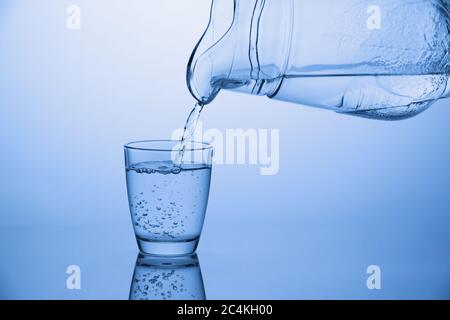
pixel 211 59
pixel 200 80
pixel 236 54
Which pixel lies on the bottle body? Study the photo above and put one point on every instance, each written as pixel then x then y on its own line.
pixel 385 61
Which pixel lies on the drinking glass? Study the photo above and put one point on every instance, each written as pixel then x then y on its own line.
pixel 168 192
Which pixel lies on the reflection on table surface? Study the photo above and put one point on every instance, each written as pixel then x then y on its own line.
pixel 298 261
pixel 167 278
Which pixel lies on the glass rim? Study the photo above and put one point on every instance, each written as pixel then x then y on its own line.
pixel 130 146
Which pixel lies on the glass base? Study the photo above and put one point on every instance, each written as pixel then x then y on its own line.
pixel 158 248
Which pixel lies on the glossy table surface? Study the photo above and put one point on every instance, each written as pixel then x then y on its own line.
pixel 291 262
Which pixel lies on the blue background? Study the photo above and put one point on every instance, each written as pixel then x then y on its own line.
pixel 350 192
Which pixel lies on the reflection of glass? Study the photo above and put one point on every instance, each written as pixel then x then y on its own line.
pixel 167 278
pixel 167 201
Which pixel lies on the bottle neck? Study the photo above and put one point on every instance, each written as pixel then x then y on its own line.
pixel 250 57
pixel 267 47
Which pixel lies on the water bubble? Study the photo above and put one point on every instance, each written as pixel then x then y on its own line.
pixel 176 170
